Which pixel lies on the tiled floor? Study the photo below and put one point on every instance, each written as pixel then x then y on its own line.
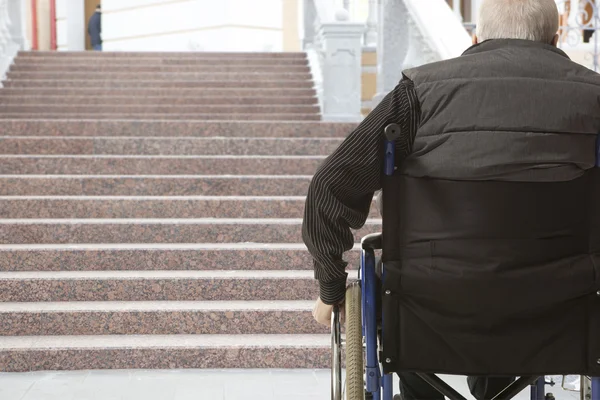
pixel 184 385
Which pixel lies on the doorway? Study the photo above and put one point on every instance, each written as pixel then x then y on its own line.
pixel 90 9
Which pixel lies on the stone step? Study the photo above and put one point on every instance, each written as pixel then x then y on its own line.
pixel 132 62
pixel 61 286
pixel 158 318
pixel 35 353
pixel 166 146
pixel 154 67
pixel 199 76
pixel 302 129
pixel 158 257
pixel 20 207
pixel 153 110
pixel 13 99
pixel 156 83
pixel 154 185
pixel 161 54
pixel 183 93
pixel 163 117
pixel 199 230
pixel 167 165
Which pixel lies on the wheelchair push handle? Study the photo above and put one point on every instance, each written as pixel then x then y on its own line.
pixel 392 132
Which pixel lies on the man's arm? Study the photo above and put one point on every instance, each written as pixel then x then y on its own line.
pixel 341 191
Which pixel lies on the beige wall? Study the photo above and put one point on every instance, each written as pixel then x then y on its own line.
pixel 291 34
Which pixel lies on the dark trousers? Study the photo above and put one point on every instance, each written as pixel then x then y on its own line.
pixel 483 388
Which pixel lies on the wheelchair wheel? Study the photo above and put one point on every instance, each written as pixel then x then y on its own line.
pixel 355 381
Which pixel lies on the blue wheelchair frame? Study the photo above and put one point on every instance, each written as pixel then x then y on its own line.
pixel 379 385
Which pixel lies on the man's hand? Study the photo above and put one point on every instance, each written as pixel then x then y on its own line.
pixel 322 312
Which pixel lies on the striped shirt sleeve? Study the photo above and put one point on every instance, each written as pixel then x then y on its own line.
pixel 341 191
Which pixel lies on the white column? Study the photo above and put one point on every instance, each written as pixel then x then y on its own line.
pixel 371 34
pixel 342 53
pixel 310 15
pixel 392 46
pixel 456 4
pixel 76 29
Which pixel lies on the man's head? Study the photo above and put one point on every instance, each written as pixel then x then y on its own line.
pixel 535 20
pixel 98 8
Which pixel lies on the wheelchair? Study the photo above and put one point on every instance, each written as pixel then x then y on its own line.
pixel 369 375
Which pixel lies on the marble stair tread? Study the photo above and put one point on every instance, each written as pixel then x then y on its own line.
pixel 178 285
pixel 158 83
pixel 158 317
pixel 34 353
pixel 137 75
pixel 154 100
pixel 181 109
pixel 78 66
pixel 174 117
pixel 170 230
pixel 129 62
pixel 147 128
pixel 20 207
pixel 160 341
pixel 159 54
pixel 60 145
pixel 183 94
pixel 149 274
pixel 154 185
pixel 160 256
pixel 168 165
pixel 110 306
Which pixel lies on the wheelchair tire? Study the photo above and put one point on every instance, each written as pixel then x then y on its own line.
pixel 355 378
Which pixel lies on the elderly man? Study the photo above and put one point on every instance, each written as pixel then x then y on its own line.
pixel 508 109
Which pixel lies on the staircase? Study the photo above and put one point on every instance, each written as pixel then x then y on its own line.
pixel 150 211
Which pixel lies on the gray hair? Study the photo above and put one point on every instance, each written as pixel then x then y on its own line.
pixel 535 20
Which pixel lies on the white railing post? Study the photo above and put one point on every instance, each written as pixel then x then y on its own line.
pixel 392 46
pixel 342 53
pixel 371 33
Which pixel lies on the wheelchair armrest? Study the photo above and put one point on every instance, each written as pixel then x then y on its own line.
pixel 372 241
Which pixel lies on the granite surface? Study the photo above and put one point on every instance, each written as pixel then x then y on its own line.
pixel 165 117
pixel 158 109
pixel 161 55
pixel 108 83
pixel 123 259
pixel 154 208
pixel 165 358
pixel 171 165
pixel 159 322
pixel 40 127
pixel 78 66
pixel 154 186
pixel 165 231
pixel 157 289
pixel 149 97
pixel 197 76
pixel 133 61
pixel 175 146
pixel 183 93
